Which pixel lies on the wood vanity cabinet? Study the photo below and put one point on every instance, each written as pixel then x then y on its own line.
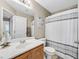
pixel 38 53
pixel 35 53
pixel 26 55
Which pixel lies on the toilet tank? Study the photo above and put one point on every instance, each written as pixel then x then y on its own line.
pixel 43 40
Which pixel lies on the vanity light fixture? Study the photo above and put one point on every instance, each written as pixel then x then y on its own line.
pixel 27 2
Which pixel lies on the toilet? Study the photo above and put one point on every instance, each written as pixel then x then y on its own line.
pixel 49 51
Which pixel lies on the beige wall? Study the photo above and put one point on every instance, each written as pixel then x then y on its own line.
pixel 20 14
pixel 3 4
pixel 39 28
pixel 39 11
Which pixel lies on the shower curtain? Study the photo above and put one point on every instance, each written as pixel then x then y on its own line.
pixel 62 33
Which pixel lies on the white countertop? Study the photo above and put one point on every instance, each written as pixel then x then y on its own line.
pixel 16 49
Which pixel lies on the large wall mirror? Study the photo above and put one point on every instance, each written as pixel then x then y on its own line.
pixel 12 26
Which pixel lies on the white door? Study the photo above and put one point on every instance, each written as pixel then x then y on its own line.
pixel 19 26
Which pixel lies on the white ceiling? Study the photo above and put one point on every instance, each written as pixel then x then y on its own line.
pixel 57 5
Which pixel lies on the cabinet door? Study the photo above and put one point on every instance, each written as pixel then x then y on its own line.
pixel 38 53
pixel 26 55
pixel 37 56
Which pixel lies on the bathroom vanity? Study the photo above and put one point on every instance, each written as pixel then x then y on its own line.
pixel 31 49
pixel 35 53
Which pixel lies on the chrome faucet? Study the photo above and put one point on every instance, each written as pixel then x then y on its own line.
pixel 22 41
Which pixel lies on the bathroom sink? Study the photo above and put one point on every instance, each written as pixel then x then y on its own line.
pixel 21 45
pixel 24 44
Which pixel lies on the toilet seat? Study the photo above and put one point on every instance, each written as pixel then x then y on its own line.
pixel 49 50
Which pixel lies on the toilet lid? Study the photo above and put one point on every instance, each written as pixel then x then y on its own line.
pixel 50 50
